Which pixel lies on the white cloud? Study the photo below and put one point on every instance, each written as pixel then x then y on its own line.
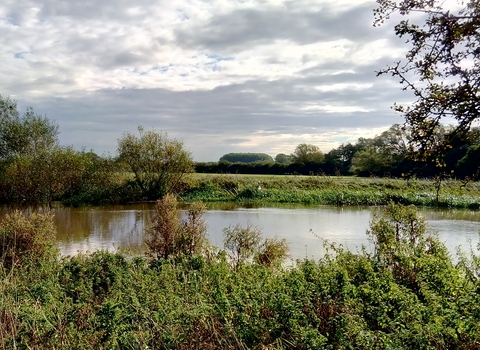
pixel 267 73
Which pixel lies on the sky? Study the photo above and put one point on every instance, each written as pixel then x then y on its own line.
pixel 221 75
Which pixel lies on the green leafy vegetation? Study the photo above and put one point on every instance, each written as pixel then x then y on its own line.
pixel 441 68
pixel 169 237
pixel 157 162
pixel 407 294
pixel 246 158
pixel 332 190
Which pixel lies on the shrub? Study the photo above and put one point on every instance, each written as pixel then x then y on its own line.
pixel 403 247
pixel 169 236
pixel 272 252
pixel 24 240
pixel 193 230
pixel 241 242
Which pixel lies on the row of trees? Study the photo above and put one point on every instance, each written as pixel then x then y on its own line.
pixel 303 154
pixel 305 159
pixel 392 153
pixel 35 168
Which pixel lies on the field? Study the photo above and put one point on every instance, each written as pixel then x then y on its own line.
pixel 330 190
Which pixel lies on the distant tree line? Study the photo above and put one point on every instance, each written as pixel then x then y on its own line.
pixel 389 154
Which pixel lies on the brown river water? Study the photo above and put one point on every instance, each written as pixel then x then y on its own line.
pixel 306 228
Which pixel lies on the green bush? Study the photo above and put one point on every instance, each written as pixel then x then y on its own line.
pixel 272 252
pixel 169 236
pixel 26 239
pixel 241 242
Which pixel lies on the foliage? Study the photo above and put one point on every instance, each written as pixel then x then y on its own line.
pixel 339 160
pixel 283 158
pixel 53 174
pixel 272 252
pixel 332 190
pixel 305 154
pixel 469 165
pixel 441 67
pixel 25 240
pixel 383 154
pixel 157 162
pixel 246 158
pixel 26 134
pixel 169 236
pixel 407 294
pixel 241 242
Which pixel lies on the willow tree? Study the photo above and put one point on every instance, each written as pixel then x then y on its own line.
pixel 441 67
pixel 157 162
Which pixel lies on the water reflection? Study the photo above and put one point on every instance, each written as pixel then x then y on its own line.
pixel 305 228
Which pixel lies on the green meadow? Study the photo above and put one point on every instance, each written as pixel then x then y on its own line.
pixel 330 190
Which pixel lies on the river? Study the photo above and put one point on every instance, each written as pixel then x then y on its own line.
pixel 306 228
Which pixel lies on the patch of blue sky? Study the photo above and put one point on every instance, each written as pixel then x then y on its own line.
pixel 12 21
pixel 182 16
pixel 21 55
pixel 215 61
pixel 219 58
pixel 161 69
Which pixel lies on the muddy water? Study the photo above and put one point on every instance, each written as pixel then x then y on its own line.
pixel 306 228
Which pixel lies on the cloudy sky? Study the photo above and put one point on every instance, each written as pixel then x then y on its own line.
pixel 221 75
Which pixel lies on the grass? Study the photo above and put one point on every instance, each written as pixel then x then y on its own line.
pixel 330 190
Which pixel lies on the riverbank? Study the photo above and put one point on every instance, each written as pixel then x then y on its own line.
pixel 407 295
pixel 331 190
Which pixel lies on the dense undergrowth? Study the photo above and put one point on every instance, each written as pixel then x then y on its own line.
pixel 407 294
pixel 333 190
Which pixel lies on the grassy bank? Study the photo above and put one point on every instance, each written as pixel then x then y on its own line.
pixel 331 190
pixel 408 294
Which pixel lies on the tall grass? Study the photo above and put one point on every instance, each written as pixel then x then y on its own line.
pixel 332 190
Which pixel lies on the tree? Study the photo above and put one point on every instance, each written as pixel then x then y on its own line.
pixel 26 134
pixel 469 165
pixel 158 163
pixel 307 154
pixel 246 158
pixel 283 158
pixel 441 67
pixel 383 154
pixel 339 160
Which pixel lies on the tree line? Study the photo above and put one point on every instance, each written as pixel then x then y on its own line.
pixel 391 154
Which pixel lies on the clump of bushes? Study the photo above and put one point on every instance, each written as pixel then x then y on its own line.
pixel 244 244
pixel 26 239
pixel 171 237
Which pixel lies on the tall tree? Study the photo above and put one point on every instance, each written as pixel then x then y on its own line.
pixel 157 162
pixel 307 154
pixel 24 134
pixel 283 158
pixel 441 67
